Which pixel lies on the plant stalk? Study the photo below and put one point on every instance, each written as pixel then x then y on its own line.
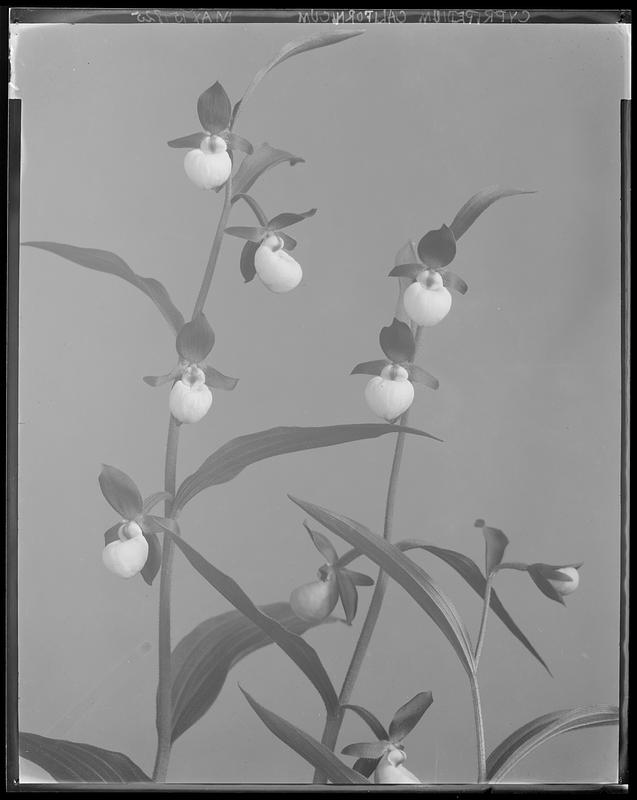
pixel 214 251
pixel 164 693
pixel 483 621
pixel 333 722
pixel 479 723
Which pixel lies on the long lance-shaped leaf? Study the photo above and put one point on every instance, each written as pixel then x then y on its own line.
pixel 204 657
pixel 105 261
pixel 306 746
pixel 475 205
pixel 71 762
pixel 472 574
pixel 293 49
pixel 234 456
pixel 522 741
pixel 470 571
pixel 404 571
pixel 253 166
pixel 303 655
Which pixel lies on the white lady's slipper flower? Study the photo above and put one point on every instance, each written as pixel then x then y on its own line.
pixel 427 301
pixel 275 267
pixel 390 768
pixel 209 166
pixel 315 601
pixel 190 398
pixel 127 556
pixel 566 586
pixel 391 393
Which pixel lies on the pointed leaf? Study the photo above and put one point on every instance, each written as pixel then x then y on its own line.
pixel 366 766
pixel 323 39
pixel 234 456
pixel 151 501
pixel 217 380
pixel 404 571
pixel 437 248
pixel 544 585
pixel 163 524
pixel 214 109
pixel 409 715
pixel 204 657
pixel 376 727
pixel 470 571
pixel 191 142
pixel 365 749
pixel 286 219
pixel 524 740
pixel 196 339
pixel 246 265
pixel 236 142
pixel 306 746
pixel 253 166
pixel 160 380
pixel 419 375
pixel 111 535
pixel 105 261
pixel 348 594
pixel 370 367
pixel 71 762
pixel 496 543
pixel 322 544
pixel 453 281
pixel 153 562
pixel 288 242
pixel 410 270
pixel 475 206
pixel 297 649
pixel 358 578
pixel 120 492
pixel 251 233
pixel 397 341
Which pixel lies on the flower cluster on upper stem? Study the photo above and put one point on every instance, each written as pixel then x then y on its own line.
pixel 208 162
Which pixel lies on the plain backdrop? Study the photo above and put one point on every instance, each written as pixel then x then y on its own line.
pixel 398 128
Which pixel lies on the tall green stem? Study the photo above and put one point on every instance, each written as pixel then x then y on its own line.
pixel 483 621
pixel 214 251
pixel 479 723
pixel 334 721
pixel 164 696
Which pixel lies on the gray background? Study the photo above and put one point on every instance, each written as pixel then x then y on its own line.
pixel 398 127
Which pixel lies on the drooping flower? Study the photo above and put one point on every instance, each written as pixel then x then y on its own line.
pixel 208 162
pixel 131 546
pixel 391 392
pixel 386 756
pixel 266 252
pixel 190 396
pixel 315 601
pixel 427 300
pixel 555 582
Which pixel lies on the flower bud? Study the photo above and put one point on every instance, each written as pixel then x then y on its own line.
pixel 209 166
pixel 276 268
pixel 390 768
pixel 127 556
pixel 427 301
pixel 568 585
pixel 315 601
pixel 391 393
pixel 190 398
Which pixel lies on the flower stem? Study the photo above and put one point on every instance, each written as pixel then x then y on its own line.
pixel 259 213
pixel 214 251
pixel 483 621
pixel 479 723
pixel 333 722
pixel 164 694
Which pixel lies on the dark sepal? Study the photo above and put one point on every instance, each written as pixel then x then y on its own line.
pixel 214 109
pixel 120 492
pixel 397 341
pixel 348 594
pixel 153 562
pixel 455 282
pixel 322 544
pixel 236 142
pixel 190 142
pixel 370 367
pixel 407 271
pixel 286 219
pixel 437 248
pixel 419 375
pixel 249 232
pixel 246 264
pixel 196 339
pixel 217 380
